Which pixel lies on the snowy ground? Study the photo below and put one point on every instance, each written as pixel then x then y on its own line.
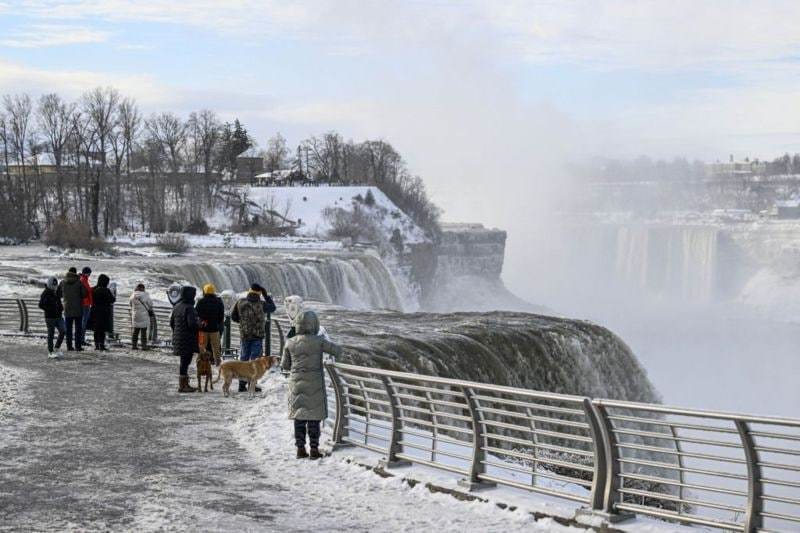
pixel 104 442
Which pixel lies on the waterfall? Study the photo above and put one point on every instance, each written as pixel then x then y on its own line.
pixel 670 262
pixel 359 282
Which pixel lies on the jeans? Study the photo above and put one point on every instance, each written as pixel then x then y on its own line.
pixel 250 349
pixel 135 337
pixel 300 427
pixel 186 360
pixel 81 338
pixel 54 324
pixel 77 322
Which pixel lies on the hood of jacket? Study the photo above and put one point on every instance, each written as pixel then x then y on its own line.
pixel 102 280
pixel 71 277
pixel 293 305
pixel 306 323
pixel 52 283
pixel 187 294
pixel 253 296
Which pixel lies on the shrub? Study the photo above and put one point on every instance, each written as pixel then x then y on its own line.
pixel 66 234
pixel 173 243
pixel 174 225
pixel 369 199
pixel 197 226
pixel 356 225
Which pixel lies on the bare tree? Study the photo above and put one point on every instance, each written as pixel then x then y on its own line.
pixel 55 122
pixel 18 110
pixel 277 153
pixel 100 106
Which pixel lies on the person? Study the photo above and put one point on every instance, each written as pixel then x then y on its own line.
pixel 211 312
pixel 251 314
pixel 184 324
pixel 73 292
pixel 50 303
pixel 294 305
pixel 101 317
pixel 86 305
pixel 302 359
pixel 141 311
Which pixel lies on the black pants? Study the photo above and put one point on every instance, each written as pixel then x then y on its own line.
pixel 78 324
pixel 54 324
pixel 186 360
pixel 99 338
pixel 135 337
pixel 300 427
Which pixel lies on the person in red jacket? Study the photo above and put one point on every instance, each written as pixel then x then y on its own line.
pixel 86 305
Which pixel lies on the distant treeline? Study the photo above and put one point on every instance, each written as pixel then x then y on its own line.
pixel 100 162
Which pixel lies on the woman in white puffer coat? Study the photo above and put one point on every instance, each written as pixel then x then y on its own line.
pixel 141 309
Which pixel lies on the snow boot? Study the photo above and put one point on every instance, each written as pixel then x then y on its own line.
pixel 301 452
pixel 184 385
pixel 315 453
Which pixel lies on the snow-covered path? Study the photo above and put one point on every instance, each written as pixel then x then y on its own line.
pixel 105 442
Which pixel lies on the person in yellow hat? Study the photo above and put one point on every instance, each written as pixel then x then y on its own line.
pixel 211 312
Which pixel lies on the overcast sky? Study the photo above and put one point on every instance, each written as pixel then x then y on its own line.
pixel 480 94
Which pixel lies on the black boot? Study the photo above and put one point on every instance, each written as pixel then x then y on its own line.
pixel 301 452
pixel 315 453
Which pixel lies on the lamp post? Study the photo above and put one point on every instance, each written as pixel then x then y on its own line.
pixel 228 300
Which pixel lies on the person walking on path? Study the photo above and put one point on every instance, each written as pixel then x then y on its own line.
pixel 86 305
pixel 211 312
pixel 101 317
pixel 302 359
pixel 50 303
pixel 73 292
pixel 251 313
pixel 141 311
pixel 184 324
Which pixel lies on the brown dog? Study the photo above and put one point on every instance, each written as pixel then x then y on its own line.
pixel 204 369
pixel 251 371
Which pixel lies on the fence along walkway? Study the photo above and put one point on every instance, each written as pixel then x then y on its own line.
pixel 22 315
pixel 723 470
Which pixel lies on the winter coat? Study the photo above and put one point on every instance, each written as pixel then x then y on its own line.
pixel 251 313
pixel 73 292
pixel 50 303
pixel 101 317
pixel 184 324
pixel 211 312
pixel 302 358
pixel 141 307
pixel 88 300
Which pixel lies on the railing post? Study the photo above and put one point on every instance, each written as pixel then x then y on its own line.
pixel 153 333
pixel 752 519
pixel 479 443
pixel 394 441
pixel 599 480
pixel 342 408
pixel 226 337
pixel 282 341
pixel 23 316
pixel 268 336
pixel 435 427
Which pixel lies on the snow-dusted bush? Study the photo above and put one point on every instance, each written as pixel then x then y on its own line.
pixel 197 226
pixel 75 235
pixel 173 243
pixel 358 224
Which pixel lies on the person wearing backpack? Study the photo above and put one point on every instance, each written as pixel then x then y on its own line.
pixel 50 303
pixel 73 292
pixel 252 313
pixel 141 311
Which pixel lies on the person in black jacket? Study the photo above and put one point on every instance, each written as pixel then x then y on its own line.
pixel 50 303
pixel 211 313
pixel 185 324
pixel 101 316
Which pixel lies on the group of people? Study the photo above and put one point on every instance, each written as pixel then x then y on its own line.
pixel 71 306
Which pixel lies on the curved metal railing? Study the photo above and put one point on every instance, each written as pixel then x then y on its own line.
pixel 730 471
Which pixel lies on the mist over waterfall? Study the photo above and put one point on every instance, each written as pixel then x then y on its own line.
pixel 359 282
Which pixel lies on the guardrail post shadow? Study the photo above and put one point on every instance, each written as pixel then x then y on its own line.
pixel 479 442
pixel 342 409
pixel 395 447
pixel 24 326
pixel 753 521
pixel 606 481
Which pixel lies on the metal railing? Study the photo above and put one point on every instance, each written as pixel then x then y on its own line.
pixel 22 316
pixel 723 470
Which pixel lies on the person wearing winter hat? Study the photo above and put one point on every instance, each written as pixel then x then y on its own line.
pixel 184 324
pixel 86 305
pixel 252 314
pixel 50 303
pixel 211 313
pixel 100 319
pixel 141 311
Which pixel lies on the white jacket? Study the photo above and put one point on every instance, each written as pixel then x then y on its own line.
pixel 140 305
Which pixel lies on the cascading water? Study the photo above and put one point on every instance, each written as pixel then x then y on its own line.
pixel 677 262
pixel 360 282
